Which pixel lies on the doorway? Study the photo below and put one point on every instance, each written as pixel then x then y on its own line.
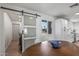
pixel 15 30
pixel 59 29
pixel 63 30
pixel 14 46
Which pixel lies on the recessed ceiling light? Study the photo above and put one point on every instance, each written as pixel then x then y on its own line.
pixel 76 13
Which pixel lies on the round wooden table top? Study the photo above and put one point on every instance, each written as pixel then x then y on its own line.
pixel 46 49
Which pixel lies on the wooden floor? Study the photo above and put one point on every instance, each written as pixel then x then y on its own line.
pixel 13 49
pixel 45 49
pixel 77 43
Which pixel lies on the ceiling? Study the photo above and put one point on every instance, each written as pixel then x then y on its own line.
pixel 51 9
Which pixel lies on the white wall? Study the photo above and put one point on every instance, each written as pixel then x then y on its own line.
pixel 5 32
pixel 40 35
pixel 68 34
pixel 76 27
pixel 2 40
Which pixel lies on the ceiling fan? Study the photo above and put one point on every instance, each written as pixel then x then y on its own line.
pixel 74 5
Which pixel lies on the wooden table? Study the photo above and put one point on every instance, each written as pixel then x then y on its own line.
pixel 45 49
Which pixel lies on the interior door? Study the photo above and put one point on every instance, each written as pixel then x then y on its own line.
pixel 63 30
pixel 15 31
pixel 58 28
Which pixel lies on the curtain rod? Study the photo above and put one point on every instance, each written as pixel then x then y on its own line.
pixel 19 11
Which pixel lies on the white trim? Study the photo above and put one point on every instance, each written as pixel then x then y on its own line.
pixel 16 22
pixel 30 26
pixel 29 38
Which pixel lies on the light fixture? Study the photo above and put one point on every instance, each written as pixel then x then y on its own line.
pixel 25 30
pixel 76 13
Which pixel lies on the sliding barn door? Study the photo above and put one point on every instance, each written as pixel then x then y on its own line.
pixel 29 31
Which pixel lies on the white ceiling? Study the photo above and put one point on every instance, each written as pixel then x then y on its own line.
pixel 51 9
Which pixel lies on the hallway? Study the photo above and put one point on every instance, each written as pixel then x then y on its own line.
pixel 13 49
